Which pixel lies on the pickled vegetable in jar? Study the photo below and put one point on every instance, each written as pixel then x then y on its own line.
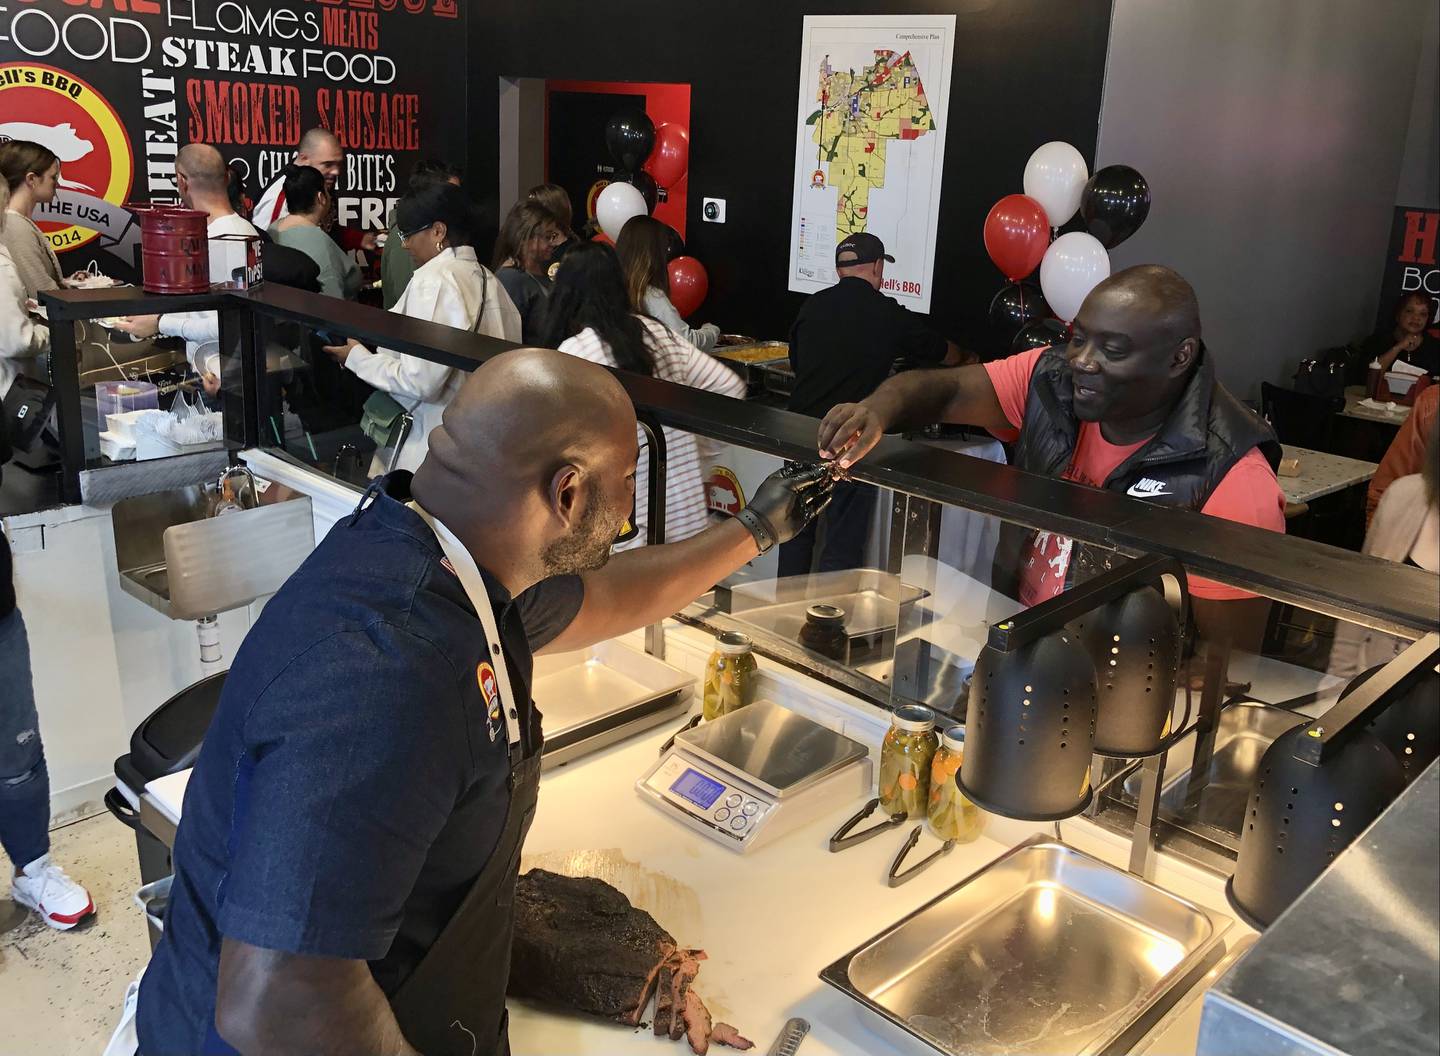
pixel 730 675
pixel 905 758
pixel 952 816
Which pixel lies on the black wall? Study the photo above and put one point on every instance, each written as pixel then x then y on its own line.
pixel 1025 71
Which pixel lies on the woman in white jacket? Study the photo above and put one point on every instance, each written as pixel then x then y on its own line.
pixel 588 315
pixel 21 337
pixel 449 286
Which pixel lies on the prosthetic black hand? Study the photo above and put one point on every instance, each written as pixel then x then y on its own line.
pixel 786 502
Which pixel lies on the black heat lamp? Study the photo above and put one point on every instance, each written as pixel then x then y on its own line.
pixel 1032 715
pixel 1136 642
pixel 1319 786
pixel 1410 726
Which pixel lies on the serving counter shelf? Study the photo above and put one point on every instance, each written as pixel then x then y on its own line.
pixel 771 920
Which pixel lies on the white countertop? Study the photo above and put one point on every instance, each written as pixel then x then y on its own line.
pixel 769 920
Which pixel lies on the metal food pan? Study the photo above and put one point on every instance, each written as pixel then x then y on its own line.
pixel 1215 805
pixel 872 600
pixel 594 697
pixel 1045 950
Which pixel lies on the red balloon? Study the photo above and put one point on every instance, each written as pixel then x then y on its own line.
pixel 688 284
pixel 602 237
pixel 671 156
pixel 1017 234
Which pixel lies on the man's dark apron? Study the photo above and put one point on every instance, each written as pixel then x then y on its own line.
pixel 453 1003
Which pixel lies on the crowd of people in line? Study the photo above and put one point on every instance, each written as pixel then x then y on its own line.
pixel 1130 404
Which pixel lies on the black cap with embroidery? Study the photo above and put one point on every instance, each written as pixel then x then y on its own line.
pixel 860 248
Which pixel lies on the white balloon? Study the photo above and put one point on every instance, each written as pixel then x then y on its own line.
pixel 1055 177
pixel 1073 265
pixel 617 203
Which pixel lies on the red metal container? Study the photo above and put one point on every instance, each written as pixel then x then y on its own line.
pixel 174 249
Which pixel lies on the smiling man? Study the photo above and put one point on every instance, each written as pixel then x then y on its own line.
pixel 1130 404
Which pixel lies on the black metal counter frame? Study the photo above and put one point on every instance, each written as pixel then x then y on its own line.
pixel 1376 593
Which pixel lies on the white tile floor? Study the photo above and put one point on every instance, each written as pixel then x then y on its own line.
pixel 60 992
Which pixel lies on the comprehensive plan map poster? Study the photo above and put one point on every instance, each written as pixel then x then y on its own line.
pixel 870 145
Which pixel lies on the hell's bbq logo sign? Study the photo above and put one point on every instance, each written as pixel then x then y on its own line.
pixel 116 87
pixel 62 112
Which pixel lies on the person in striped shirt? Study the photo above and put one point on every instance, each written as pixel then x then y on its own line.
pixel 588 315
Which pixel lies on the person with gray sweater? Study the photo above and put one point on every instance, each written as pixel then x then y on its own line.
pixel 644 249
pixel 29 173
pixel 22 336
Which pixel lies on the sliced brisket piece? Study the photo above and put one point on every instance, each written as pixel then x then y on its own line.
pixel 725 1034
pixel 665 1017
pixel 685 972
pixel 580 944
pixel 697 1024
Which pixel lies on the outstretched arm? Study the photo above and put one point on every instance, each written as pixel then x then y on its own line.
pixel 641 586
pixel 917 397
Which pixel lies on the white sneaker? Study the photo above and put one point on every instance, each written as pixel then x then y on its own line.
pixel 44 887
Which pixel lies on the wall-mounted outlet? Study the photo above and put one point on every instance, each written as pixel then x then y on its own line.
pixel 713 210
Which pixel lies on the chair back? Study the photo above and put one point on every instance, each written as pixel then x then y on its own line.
pixel 1301 418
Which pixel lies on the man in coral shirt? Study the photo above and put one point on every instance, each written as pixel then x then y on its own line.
pixel 1130 404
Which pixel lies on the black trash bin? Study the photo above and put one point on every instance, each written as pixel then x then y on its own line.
pixel 165 743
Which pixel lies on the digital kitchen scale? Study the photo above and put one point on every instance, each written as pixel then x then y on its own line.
pixel 755 774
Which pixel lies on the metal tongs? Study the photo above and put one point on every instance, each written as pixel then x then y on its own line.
pixel 690 724
pixel 896 876
pixel 843 838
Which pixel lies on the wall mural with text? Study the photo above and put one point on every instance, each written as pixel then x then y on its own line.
pixel 116 87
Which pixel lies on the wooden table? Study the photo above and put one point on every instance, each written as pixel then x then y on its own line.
pixel 1323 474
pixel 1355 409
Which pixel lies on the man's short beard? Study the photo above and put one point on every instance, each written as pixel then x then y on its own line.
pixel 586 548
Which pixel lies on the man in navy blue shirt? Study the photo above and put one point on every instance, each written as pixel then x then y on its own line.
pixel 351 834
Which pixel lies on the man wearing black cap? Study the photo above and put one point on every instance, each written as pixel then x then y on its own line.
pixel 845 342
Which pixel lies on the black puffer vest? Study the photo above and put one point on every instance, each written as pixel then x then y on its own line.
pixel 1208 431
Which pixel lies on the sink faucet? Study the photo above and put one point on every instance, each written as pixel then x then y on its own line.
pixel 235 491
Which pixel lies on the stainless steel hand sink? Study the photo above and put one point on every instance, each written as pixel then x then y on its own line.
pixel 181 561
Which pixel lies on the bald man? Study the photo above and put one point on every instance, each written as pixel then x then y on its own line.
pixel 320 149
pixel 202 179
pixel 1130 405
pixel 346 862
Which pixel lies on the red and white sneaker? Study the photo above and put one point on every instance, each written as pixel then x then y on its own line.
pixel 44 887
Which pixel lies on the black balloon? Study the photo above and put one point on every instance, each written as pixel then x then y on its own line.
pixel 630 137
pixel 1114 204
pixel 675 245
pixel 1015 305
pixel 1042 333
pixel 643 182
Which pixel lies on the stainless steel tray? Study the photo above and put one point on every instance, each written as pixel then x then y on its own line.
pixel 594 697
pixel 1214 805
pixel 774 748
pixel 1045 950
pixel 872 600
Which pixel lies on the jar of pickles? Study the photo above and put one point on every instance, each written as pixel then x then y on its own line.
pixel 952 816
pixel 905 759
pixel 730 675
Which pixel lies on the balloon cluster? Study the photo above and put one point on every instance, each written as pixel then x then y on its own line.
pixel 654 159
pixel 1021 234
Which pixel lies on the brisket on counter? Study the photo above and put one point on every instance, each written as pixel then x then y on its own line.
pixel 580 944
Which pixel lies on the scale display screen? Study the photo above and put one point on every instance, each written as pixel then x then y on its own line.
pixel 697 788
